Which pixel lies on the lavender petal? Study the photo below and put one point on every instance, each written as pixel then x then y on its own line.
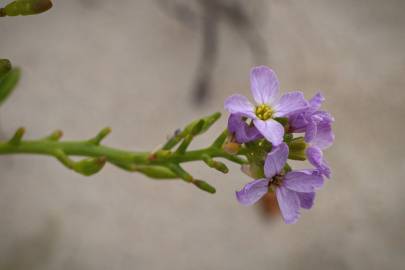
pixel 306 199
pixel 290 103
pixel 238 104
pixel 315 157
pixel 276 160
pixel 264 84
pixel 272 130
pixel 303 180
pixel 253 191
pixel 289 204
pixel 324 137
pixel 316 102
pixel 310 131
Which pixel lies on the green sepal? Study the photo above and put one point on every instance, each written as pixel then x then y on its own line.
pixel 257 151
pixel 288 137
pixel 287 168
pixel 297 147
pixel 282 120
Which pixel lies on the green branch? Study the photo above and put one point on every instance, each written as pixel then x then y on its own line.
pixel 161 164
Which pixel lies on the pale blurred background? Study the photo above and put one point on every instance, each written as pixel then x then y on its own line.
pixel 146 68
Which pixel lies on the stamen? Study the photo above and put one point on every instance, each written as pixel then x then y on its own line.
pixel 264 112
pixel 277 180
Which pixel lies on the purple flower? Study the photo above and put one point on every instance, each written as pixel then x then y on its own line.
pixel 317 126
pixel 243 133
pixel 264 86
pixel 323 139
pixel 294 190
pixel 308 120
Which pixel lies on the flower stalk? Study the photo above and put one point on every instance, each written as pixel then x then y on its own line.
pixel 161 164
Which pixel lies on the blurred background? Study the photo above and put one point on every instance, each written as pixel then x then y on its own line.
pixel 146 68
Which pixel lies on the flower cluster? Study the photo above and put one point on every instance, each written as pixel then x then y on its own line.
pixel 266 133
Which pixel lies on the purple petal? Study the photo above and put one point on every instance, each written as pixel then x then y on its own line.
pixel 272 130
pixel 298 122
pixel 264 84
pixel 253 191
pixel 276 160
pixel 310 130
pixel 290 103
pixel 238 104
pixel 235 123
pixel 289 204
pixel 316 102
pixel 322 116
pixel 303 181
pixel 306 199
pixel 315 157
pixel 324 136
pixel 243 133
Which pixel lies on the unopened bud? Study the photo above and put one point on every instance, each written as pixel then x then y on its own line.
pixel 231 148
pixel 25 7
pixel 252 170
pixel 8 82
pixel 204 186
pixel 90 166
pixel 5 66
pixel 297 149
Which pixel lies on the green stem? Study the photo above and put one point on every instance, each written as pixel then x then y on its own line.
pixel 113 155
pixel 162 164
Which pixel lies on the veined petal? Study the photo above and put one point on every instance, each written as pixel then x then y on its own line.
pixel 324 135
pixel 289 204
pixel 316 102
pixel 272 130
pixel 303 181
pixel 298 122
pixel 276 160
pixel 306 199
pixel 289 103
pixel 310 130
pixel 253 191
pixel 238 104
pixel 315 157
pixel 264 84
pixel 323 117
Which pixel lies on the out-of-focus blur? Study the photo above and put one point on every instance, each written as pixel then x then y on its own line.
pixel 146 68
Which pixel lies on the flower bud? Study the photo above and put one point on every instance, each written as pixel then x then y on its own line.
pixel 5 67
pixel 25 7
pixel 204 186
pixel 252 170
pixel 297 149
pixel 231 148
pixel 8 82
pixel 90 166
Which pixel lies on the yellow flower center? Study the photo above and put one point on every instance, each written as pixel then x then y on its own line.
pixel 264 112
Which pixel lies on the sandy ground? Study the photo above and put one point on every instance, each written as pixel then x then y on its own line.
pixel 130 65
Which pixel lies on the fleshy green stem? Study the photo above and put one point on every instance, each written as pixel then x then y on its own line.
pixel 162 164
pixel 113 155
